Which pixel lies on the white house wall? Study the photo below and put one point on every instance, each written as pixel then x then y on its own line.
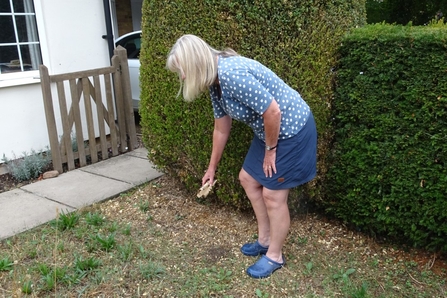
pixel 22 120
pixel 70 33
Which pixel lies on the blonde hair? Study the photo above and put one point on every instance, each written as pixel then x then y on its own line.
pixel 195 62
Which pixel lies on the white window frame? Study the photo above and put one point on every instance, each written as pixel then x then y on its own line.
pixel 23 77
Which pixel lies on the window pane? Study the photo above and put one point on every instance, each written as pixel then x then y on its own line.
pixel 18 5
pixel 9 59
pixel 31 57
pixel 7 29
pixel 8 53
pixel 26 28
pixel 16 54
pixel 5 6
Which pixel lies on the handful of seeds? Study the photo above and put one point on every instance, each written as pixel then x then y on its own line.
pixel 205 189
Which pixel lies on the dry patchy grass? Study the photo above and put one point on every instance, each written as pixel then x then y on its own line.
pixel 158 241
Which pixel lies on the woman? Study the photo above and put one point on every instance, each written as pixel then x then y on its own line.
pixel 283 151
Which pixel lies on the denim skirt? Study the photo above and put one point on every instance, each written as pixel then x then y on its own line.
pixel 296 159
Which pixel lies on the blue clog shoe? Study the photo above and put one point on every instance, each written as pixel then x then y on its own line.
pixel 253 249
pixel 264 267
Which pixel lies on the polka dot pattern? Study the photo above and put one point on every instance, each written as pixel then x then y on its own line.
pixel 246 90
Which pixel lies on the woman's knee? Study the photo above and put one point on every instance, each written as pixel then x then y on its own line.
pixel 246 180
pixel 275 198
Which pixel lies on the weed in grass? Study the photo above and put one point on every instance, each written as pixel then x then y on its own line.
pixel 65 221
pixel 48 281
pixel 126 230
pixel 59 273
pixel 155 184
pixel 126 194
pixel 94 219
pixel 411 264
pixel 75 277
pixel 27 287
pixel 97 277
pixel 86 264
pixel 343 275
pixel 6 264
pixel 362 292
pixel 113 227
pixel 32 253
pixel 46 230
pixel 60 247
pixel 265 282
pixel 51 278
pixel 81 292
pixel 308 269
pixel 302 240
pixel 82 233
pixel 143 253
pixel 125 251
pixel 105 242
pixel 259 294
pixel 143 206
pixel 43 269
pixel 149 218
pixel 224 275
pixel 426 273
pixel 375 262
pixel 216 280
pixel 151 270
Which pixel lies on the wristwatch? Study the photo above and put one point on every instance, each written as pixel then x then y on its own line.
pixel 268 148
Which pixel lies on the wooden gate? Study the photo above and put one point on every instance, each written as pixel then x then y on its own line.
pixel 110 126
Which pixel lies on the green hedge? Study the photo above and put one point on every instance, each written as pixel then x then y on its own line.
pixel 389 173
pixel 296 39
pixel 419 12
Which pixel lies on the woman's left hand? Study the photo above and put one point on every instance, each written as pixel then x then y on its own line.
pixel 269 165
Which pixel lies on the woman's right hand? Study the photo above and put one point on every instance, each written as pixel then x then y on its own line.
pixel 209 176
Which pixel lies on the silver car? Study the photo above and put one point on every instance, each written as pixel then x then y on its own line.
pixel 132 43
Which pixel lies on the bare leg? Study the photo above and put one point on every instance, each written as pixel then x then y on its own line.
pixel 279 217
pixel 254 192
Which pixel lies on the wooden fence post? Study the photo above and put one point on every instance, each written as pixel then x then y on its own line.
pixel 119 101
pixel 49 116
pixel 127 97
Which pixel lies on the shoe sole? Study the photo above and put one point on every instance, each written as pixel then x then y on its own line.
pixel 265 276
pixel 253 255
pixel 261 277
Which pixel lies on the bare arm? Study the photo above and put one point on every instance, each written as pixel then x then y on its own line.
pixel 272 123
pixel 222 128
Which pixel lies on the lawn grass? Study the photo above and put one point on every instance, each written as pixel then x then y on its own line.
pixel 157 241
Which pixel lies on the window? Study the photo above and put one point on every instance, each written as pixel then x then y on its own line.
pixel 19 41
pixel 132 43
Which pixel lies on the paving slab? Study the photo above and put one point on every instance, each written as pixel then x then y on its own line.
pixel 130 168
pixel 39 202
pixel 140 152
pixel 21 211
pixel 78 188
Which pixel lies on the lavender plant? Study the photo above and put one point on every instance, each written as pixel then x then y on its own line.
pixel 29 166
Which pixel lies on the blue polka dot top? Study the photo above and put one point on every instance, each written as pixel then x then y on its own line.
pixel 246 90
